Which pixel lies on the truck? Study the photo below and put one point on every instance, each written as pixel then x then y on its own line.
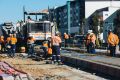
pixel 39 30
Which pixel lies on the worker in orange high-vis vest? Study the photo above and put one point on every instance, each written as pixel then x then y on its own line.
pixel 87 41
pixel 66 38
pixel 45 49
pixel 56 41
pixel 8 45
pixel 30 44
pixel 113 40
pixel 49 50
pixel 13 41
pixel 49 55
pixel 2 43
pixel 92 43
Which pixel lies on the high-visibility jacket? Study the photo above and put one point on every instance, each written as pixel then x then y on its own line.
pixel 49 51
pixel 30 41
pixel 87 39
pixel 92 38
pixel 1 40
pixel 66 36
pixel 8 39
pixel 45 44
pixel 56 40
pixel 13 40
pixel 113 39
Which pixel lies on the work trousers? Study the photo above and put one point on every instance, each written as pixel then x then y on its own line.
pixel 45 52
pixel 66 43
pixel 112 50
pixel 13 48
pixel 88 49
pixel 56 54
pixel 92 48
pixel 8 47
pixel 30 49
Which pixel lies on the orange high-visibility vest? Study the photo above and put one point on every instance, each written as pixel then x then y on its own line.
pixel 8 39
pixel 66 36
pixel 49 51
pixel 87 39
pixel 92 38
pixel 1 40
pixel 13 40
pixel 113 39
pixel 31 40
pixel 45 44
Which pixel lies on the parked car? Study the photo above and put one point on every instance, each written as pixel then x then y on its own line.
pixel 79 40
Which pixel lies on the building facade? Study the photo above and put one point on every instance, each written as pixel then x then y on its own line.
pixel 69 17
pixel 74 16
pixel 107 10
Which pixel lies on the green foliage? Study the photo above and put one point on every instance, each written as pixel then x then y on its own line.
pixel 94 23
pixel 95 20
pixel 97 43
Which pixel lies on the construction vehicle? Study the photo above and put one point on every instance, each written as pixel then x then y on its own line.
pixel 8 28
pixel 41 30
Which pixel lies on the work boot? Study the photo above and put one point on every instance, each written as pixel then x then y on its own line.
pixel 60 63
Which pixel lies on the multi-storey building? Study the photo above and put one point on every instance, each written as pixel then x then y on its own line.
pixel 106 9
pixel 69 17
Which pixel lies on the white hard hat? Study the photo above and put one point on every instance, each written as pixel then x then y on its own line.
pixel 90 31
pixel 65 33
pixel 57 32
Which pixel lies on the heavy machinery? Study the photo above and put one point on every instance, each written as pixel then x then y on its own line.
pixel 40 30
pixel 8 28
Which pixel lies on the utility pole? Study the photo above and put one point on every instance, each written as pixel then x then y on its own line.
pixel 69 22
pixel 24 13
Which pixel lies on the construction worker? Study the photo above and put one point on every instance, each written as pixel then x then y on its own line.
pixel 13 41
pixel 87 40
pixel 45 49
pixel 56 41
pixel 66 38
pixel 30 43
pixel 49 53
pixel 8 45
pixel 113 40
pixel 2 45
pixel 49 50
pixel 92 42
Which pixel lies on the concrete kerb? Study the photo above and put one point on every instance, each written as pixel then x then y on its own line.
pixel 96 66
pixel 98 51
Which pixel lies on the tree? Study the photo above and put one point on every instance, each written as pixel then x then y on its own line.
pixel 94 22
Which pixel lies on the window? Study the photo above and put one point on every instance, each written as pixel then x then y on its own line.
pixel 106 14
pixel 35 27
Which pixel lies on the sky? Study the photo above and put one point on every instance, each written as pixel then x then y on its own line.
pixel 12 10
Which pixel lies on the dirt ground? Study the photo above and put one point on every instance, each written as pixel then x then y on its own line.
pixel 39 70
